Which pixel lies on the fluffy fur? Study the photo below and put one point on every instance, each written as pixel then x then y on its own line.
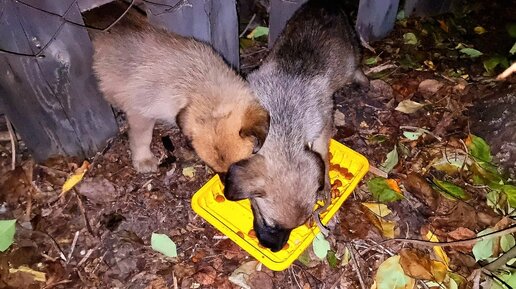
pixel 316 55
pixel 152 75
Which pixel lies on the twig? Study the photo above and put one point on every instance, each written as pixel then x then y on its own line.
pixel 295 278
pixel 83 212
pixel 376 171
pixel 86 256
pixel 247 27
pixel 12 137
pixel 72 248
pixel 379 68
pixel 356 267
pixel 498 263
pixel 464 242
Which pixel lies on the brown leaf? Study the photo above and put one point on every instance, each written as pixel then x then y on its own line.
pixel 206 275
pixel 418 265
pixel 429 86
pixel 419 188
pixel 260 280
pixel 461 233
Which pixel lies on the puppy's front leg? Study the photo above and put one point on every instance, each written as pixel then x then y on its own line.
pixel 140 137
pixel 321 146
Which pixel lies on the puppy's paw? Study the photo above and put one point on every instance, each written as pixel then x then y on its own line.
pixel 146 165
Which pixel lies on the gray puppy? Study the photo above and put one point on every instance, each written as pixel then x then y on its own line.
pixel 316 55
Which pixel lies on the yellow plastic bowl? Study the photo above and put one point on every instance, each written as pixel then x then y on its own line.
pixel 235 219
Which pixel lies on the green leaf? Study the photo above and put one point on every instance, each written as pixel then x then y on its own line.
pixel 391 161
pixel 479 148
pixel 451 164
pixel 401 15
pixel 332 259
pixel 451 189
pixel 510 192
pixel 371 60
pixel 511 29
pixel 376 138
pixel 507 242
pixel 409 106
pixel 7 230
pixel 509 277
pixel 304 258
pixel 258 31
pixel 163 244
pixel 471 52
pixel 494 200
pixel 321 246
pixel 381 190
pixel 492 62
pixel 390 275
pixel 484 249
pixel 486 174
pixel 410 38
pixel 413 135
pixel 513 49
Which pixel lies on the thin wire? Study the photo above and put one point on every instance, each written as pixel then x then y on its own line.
pixel 63 18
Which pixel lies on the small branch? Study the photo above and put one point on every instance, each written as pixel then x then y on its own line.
pixel 356 267
pixel 12 137
pixel 464 242
pixel 247 27
pixel 502 260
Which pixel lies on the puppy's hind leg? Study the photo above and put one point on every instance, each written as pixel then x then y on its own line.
pixel 140 137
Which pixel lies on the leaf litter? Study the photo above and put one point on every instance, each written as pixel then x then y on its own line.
pixel 430 74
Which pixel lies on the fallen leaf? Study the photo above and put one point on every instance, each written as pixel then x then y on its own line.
pixel 451 163
pixel 485 248
pixel 429 86
pixel 438 250
pixel 260 280
pixel 410 38
pixel 381 210
pixel 507 242
pixel 462 233
pixel 75 178
pixel 240 275
pixel 510 192
pixel 479 148
pixel 479 30
pixel 390 275
pixel 413 135
pixel 419 188
pixel 332 259
pixel 386 228
pixel 163 244
pixel 206 276
pixel 7 230
pixel 382 190
pixel 346 257
pixel 513 49
pixel 508 278
pixel 371 60
pixel 450 189
pixel 418 265
pixel 408 106
pixel 443 25
pixel 391 161
pixel 321 246
pixel 471 52
pixel 258 32
pixel 36 275
pixel 189 172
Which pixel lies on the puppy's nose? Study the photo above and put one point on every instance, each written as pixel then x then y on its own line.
pixel 272 238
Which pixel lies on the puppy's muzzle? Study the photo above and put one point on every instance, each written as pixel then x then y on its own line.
pixel 271 237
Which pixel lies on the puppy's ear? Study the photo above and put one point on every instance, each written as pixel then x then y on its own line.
pixel 255 125
pixel 242 181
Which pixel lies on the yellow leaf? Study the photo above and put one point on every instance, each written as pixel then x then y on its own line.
pixel 479 30
pixel 393 185
pixel 189 172
pixel 76 177
pixel 417 264
pixel 438 250
pixel 380 210
pixel 36 275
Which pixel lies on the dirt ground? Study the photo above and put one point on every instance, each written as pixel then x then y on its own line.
pixel 98 234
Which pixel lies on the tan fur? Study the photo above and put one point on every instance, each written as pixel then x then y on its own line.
pixel 153 75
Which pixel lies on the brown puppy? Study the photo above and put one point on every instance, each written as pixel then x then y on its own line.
pixel 315 55
pixel 152 74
